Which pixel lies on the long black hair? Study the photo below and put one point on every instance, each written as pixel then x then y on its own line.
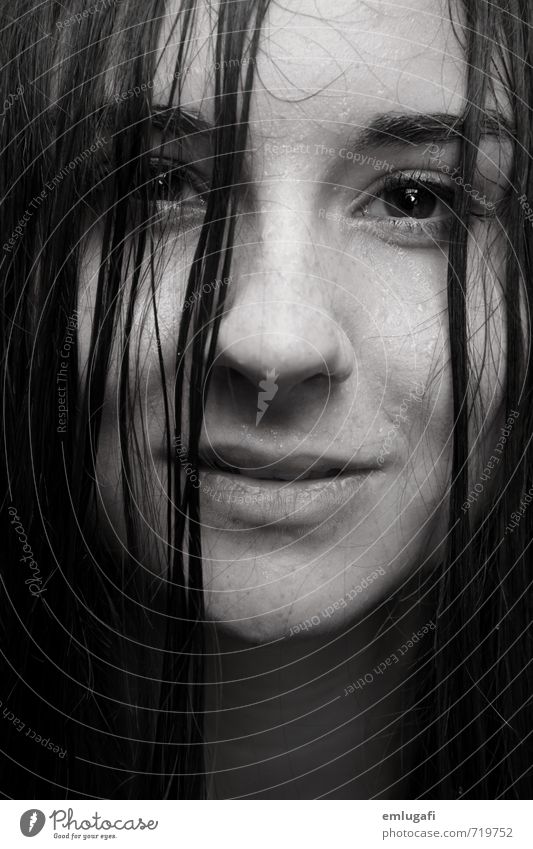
pixel 102 658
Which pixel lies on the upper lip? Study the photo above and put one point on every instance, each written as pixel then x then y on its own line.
pixel 270 464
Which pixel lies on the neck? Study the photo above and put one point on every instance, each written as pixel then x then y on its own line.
pixel 303 718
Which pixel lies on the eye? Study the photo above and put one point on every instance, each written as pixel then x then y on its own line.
pixel 412 201
pixel 173 184
pixel 179 195
pixel 415 207
pixel 409 196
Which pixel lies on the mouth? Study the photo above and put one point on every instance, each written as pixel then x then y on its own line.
pixel 280 497
pixel 254 486
pixel 283 471
pixel 262 467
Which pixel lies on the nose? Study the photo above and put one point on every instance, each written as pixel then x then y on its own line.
pixel 273 332
pixel 282 317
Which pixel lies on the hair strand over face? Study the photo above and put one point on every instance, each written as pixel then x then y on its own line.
pixel 110 656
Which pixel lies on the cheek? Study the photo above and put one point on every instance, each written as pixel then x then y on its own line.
pixel 489 429
pixel 148 471
pixel 167 291
pixel 395 307
pixel 399 329
pixel 486 324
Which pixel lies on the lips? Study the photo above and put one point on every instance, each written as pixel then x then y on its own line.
pixel 232 500
pixel 267 465
pixel 276 471
pixel 255 486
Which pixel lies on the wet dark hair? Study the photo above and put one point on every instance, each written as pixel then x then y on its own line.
pixel 101 656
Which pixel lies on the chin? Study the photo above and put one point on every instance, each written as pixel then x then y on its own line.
pixel 267 603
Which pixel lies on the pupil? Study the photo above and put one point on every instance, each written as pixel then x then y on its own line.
pixel 411 202
pixel 162 186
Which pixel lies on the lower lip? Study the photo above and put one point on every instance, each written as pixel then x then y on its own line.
pixel 270 501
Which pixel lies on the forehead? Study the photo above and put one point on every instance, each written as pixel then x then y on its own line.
pixel 329 64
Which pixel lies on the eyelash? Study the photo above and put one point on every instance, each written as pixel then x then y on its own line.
pixel 431 230
pixel 184 177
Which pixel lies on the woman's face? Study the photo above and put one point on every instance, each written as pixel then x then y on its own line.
pixel 331 388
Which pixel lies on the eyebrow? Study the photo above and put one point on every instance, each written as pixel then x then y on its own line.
pixel 391 129
pixel 388 129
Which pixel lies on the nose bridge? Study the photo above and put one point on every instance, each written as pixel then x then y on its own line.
pixel 277 240
pixel 279 316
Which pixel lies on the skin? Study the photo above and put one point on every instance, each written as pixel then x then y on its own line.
pixel 350 312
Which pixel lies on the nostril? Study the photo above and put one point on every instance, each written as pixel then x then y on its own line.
pixel 241 387
pixel 296 356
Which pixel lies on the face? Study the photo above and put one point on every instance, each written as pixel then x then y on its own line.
pixel 326 440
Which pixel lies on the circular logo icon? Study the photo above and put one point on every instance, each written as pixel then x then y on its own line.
pixel 32 822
